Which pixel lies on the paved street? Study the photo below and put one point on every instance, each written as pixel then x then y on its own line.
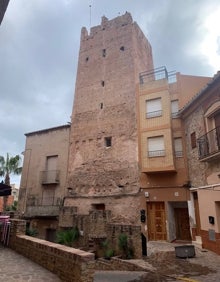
pixel 16 268
pixel 161 264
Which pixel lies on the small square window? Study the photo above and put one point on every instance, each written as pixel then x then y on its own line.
pixel 108 141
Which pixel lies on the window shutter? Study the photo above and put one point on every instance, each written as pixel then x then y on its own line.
pixel 174 108
pixel 153 108
pixel 178 146
pixel 156 146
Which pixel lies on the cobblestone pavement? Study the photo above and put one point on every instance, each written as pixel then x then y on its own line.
pixel 14 267
pixel 204 267
pixel 162 265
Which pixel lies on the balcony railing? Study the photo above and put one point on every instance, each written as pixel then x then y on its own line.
pixel 209 144
pixel 154 114
pixel 157 153
pixel 42 206
pixel 43 201
pixel 50 177
pixel 152 75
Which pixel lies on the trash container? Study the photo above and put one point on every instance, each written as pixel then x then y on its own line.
pixel 185 251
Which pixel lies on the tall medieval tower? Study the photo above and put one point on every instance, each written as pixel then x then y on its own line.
pixel 103 170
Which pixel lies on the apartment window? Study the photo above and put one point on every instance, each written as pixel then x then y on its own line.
pixel 193 140
pixel 153 108
pixel 156 146
pixel 174 108
pixel 178 147
pixel 108 142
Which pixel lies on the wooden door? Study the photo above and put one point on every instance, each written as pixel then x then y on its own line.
pixel 182 224
pixel 156 221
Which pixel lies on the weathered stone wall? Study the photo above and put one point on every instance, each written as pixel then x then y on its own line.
pixel 133 235
pixel 110 60
pixel 124 208
pixel 197 169
pixel 68 263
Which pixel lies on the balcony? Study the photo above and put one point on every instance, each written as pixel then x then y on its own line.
pixel 209 145
pixel 152 75
pixel 154 114
pixel 42 207
pixel 157 153
pixel 50 177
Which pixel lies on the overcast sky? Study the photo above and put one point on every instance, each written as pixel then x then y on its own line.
pixel 39 45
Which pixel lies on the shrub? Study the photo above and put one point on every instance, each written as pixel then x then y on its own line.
pixel 108 251
pixel 67 237
pixel 31 232
pixel 125 247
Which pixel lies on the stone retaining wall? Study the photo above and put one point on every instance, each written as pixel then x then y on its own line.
pixel 67 263
pixel 116 263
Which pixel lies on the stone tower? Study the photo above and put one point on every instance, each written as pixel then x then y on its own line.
pixel 103 168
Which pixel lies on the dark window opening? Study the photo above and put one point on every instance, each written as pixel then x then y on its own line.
pixel 101 106
pixel 103 52
pixel 99 207
pixel 103 83
pixel 87 58
pixel 122 48
pixel 193 140
pixel 108 141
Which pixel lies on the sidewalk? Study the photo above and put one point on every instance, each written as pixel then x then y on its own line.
pixel 16 268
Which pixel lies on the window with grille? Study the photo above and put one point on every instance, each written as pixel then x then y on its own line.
pixel 156 146
pixel 153 108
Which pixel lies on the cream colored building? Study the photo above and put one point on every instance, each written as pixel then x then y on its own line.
pixel 43 179
pixel 163 161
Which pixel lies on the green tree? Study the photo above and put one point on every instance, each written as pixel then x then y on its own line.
pixel 8 166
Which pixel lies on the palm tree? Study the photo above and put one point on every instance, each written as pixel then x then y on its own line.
pixel 9 165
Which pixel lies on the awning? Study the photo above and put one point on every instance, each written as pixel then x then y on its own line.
pixel 5 190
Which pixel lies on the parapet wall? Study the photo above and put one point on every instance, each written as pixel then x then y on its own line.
pixel 67 263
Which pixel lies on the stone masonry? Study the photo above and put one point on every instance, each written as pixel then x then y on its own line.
pixel 103 160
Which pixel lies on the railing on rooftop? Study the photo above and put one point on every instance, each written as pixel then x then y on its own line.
pixel 157 74
pixel 209 144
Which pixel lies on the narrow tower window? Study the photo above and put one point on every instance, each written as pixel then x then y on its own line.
pixel 122 48
pixel 103 83
pixel 101 106
pixel 108 142
pixel 87 58
pixel 103 52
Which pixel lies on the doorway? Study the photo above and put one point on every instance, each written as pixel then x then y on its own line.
pixel 182 224
pixel 156 219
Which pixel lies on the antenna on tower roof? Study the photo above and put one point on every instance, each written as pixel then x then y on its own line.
pixel 90 15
